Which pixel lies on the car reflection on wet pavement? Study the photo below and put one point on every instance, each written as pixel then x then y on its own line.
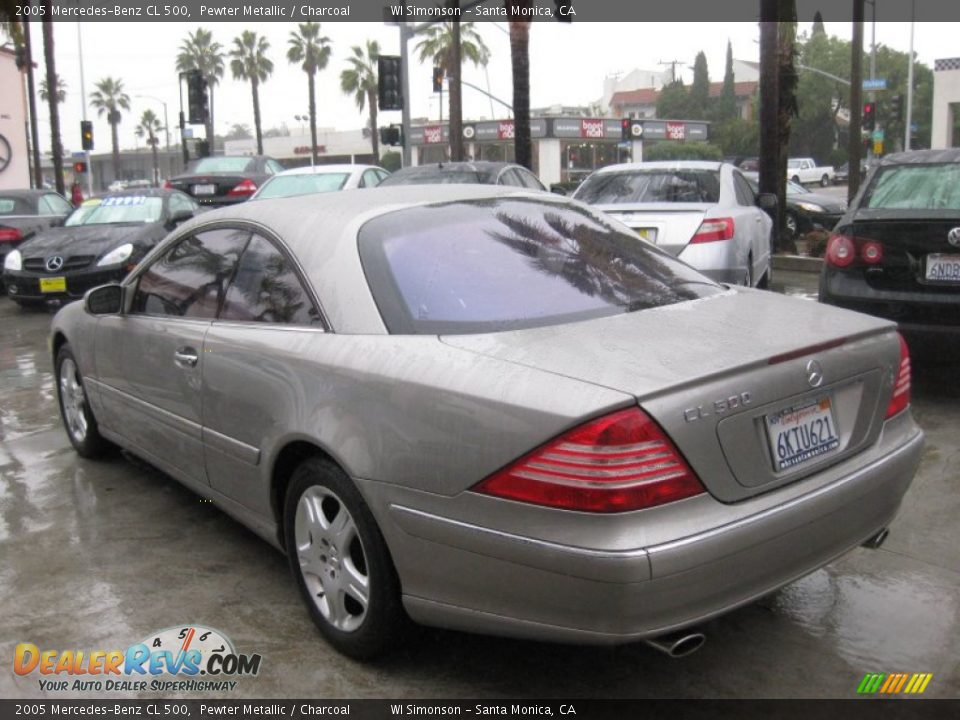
pixel 98 554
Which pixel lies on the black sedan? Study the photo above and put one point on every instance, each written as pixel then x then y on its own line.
pixel 896 252
pixel 225 180
pixel 806 210
pixel 468 173
pixel 24 213
pixel 100 242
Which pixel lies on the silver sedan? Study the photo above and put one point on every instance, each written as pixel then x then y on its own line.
pixel 705 213
pixel 491 410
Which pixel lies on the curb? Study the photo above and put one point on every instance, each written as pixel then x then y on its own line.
pixel 797 263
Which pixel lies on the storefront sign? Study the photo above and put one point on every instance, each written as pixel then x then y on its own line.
pixel 433 134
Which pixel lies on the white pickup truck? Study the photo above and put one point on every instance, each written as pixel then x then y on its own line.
pixel 806 171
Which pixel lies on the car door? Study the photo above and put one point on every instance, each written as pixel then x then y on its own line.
pixel 757 221
pixel 150 359
pixel 251 390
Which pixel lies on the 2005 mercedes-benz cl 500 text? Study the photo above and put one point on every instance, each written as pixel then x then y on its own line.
pixel 493 410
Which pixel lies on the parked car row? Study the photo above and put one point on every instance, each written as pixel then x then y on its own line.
pixel 591 440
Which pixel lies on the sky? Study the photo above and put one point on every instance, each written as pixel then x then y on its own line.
pixel 568 64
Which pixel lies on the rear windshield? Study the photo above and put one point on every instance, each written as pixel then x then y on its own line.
pixel 289 185
pixel 223 165
pixel 16 206
pixel 651 186
pixel 915 187
pixel 506 263
pixel 434 177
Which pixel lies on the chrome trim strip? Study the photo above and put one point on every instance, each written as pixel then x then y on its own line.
pixel 231 446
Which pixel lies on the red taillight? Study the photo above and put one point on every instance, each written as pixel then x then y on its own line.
pixel 871 252
pixel 619 462
pixel 714 229
pixel 10 235
pixel 900 400
pixel 246 187
pixel 840 251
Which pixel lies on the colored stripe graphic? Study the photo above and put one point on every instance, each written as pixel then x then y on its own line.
pixel 894 683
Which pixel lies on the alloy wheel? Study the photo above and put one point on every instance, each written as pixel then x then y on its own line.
pixel 74 401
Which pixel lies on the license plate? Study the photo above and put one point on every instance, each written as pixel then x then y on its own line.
pixel 648 234
pixel 800 433
pixel 943 268
pixel 204 189
pixel 53 284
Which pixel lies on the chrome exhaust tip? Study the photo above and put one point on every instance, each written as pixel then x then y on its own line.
pixel 678 645
pixel 877 540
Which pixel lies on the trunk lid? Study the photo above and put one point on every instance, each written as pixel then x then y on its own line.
pixel 713 372
pixel 669 226
pixel 210 187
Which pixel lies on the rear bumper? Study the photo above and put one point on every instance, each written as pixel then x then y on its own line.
pixel 486 580
pixel 914 311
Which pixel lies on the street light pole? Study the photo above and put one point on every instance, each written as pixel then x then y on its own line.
pixel 83 100
pixel 906 132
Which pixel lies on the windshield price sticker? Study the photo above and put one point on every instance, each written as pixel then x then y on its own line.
pixel 124 201
pixel 802 432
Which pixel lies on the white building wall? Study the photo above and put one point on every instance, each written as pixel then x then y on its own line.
pixel 548 160
pixel 946 91
pixel 13 124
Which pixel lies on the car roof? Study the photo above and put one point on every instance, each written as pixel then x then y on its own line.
pixel 485 168
pixel 664 165
pixel 27 193
pixel 323 169
pixel 921 157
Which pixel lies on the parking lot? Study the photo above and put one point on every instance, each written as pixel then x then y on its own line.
pixel 101 554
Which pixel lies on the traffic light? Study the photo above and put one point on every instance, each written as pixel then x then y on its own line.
pixel 869 121
pixel 197 104
pixel 391 135
pixel 389 86
pixel 625 129
pixel 438 79
pixel 896 106
pixel 86 134
pixel 79 167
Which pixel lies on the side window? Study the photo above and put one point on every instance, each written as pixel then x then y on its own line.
pixel 510 177
pixel 529 180
pixel 371 178
pixel 267 289
pixel 745 195
pixel 180 202
pixel 381 175
pixel 54 205
pixel 190 279
pixel 273 167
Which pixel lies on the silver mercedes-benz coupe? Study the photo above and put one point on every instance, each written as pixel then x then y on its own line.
pixel 493 410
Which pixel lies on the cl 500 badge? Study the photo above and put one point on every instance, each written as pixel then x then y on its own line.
pixel 719 407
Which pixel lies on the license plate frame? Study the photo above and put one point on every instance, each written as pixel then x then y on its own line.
pixel 802 433
pixel 205 189
pixel 934 260
pixel 53 284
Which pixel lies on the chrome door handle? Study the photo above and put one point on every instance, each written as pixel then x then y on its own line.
pixel 186 357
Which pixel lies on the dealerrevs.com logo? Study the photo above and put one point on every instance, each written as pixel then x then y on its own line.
pixel 177 659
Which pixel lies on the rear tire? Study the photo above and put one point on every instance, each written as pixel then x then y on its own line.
pixel 341 562
pixel 824 181
pixel 796 179
pixel 78 419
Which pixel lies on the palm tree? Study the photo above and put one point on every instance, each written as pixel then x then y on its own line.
pixel 108 99
pixel 200 52
pixel 439 46
pixel 56 146
pixel 249 61
pixel 360 79
pixel 61 90
pixel 311 49
pixel 149 126
pixel 520 62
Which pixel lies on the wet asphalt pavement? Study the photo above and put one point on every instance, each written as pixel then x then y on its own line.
pixel 97 555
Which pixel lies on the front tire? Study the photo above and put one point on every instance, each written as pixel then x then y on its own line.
pixel 78 419
pixel 824 181
pixel 792 226
pixel 341 562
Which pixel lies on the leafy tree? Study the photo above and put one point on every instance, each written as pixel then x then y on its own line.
pixel 312 51
pixel 149 127
pixel 249 61
pixel 61 90
pixel 391 161
pixel 736 137
pixel 700 90
pixel 199 51
pixel 239 131
pixel 674 102
pixel 672 150
pixel 109 99
pixel 818 28
pixel 437 46
pixel 727 107
pixel 360 80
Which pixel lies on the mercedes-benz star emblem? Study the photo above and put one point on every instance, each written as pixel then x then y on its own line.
pixel 953 237
pixel 54 263
pixel 814 373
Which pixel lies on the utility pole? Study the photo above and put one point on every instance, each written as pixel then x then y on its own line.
pixel 907 133
pixel 873 61
pixel 456 94
pixel 673 68
pixel 406 32
pixel 855 144
pixel 769 100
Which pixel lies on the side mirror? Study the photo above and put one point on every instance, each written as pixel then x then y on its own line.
pixel 179 217
pixel 767 201
pixel 104 300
